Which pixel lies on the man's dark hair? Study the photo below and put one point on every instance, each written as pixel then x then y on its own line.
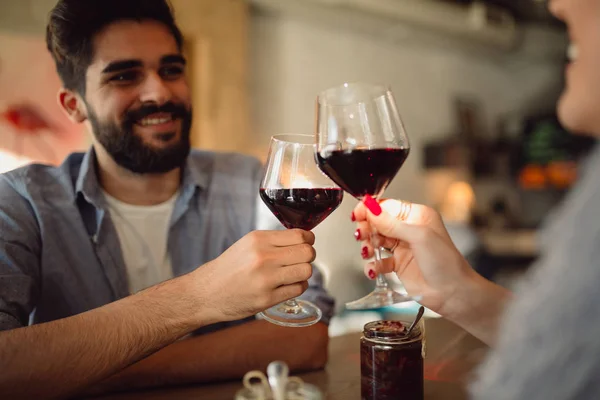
pixel 74 23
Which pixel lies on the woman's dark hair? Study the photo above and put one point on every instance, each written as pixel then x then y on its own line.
pixel 74 23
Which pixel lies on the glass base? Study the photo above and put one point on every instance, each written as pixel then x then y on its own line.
pixel 380 297
pixel 293 313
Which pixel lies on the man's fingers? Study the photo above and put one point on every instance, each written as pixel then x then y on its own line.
pixel 290 255
pixel 288 237
pixel 293 274
pixel 288 292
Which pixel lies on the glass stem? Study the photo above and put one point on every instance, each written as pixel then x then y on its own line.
pixel 291 303
pixel 381 283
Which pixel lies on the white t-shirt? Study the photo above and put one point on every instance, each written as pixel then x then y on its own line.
pixel 143 233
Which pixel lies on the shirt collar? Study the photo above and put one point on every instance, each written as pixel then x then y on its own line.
pixel 87 183
pixel 196 171
pixel 196 174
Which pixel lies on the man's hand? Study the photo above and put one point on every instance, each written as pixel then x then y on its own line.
pixel 262 269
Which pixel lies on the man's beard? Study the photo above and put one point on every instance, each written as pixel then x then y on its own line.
pixel 129 151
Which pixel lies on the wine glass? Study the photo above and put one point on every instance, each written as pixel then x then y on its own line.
pixel 300 196
pixel 361 145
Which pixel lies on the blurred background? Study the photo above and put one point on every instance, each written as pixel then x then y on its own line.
pixel 476 83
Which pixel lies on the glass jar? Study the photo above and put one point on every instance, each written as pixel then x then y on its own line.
pixel 391 363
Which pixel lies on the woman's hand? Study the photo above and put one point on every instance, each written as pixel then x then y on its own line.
pixel 429 265
pixel 424 257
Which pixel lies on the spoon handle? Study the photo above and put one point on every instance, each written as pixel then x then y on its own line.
pixel 416 321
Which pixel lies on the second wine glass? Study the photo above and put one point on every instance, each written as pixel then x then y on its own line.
pixel 300 196
pixel 361 145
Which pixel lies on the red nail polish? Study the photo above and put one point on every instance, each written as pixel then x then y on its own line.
pixel 371 274
pixel 353 217
pixel 365 252
pixel 357 234
pixel 372 205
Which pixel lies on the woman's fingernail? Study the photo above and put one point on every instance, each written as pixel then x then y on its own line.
pixel 357 234
pixel 353 217
pixel 372 205
pixel 365 252
pixel 371 274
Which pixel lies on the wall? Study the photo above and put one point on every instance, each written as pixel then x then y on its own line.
pixel 28 76
pixel 217 52
pixel 25 16
pixel 293 59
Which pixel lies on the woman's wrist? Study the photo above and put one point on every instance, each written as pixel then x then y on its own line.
pixel 477 306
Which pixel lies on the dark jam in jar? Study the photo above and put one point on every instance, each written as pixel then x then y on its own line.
pixel 391 363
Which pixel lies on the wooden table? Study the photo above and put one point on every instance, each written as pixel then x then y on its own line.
pixel 452 355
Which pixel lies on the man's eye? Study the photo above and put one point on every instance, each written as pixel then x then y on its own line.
pixel 171 72
pixel 125 77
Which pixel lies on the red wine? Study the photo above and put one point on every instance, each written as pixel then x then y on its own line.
pixel 363 171
pixel 302 208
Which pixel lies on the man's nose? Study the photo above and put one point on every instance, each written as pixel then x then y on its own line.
pixel 155 90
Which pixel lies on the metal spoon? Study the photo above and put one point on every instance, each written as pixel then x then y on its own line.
pixel 417 319
pixel 278 372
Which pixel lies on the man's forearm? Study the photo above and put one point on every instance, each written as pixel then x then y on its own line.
pixel 60 358
pixel 226 354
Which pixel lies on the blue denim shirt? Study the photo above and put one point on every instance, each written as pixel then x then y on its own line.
pixel 59 251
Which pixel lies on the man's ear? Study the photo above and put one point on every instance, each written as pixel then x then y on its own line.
pixel 72 104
